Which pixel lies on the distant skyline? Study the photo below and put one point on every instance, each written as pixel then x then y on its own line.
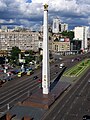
pixel 29 13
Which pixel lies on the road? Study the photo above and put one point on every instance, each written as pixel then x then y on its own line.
pixel 74 104
pixel 20 88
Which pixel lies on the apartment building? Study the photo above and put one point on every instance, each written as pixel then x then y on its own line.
pixel 81 33
pixel 23 40
pixel 56 25
pixel 31 41
pixel 63 27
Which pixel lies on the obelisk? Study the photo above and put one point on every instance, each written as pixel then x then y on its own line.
pixel 45 67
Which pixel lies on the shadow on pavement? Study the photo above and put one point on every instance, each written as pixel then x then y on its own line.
pixel 52 85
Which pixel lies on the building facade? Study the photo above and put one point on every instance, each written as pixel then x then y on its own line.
pixel 23 40
pixel 60 46
pixel 81 33
pixel 33 41
pixel 63 27
pixel 56 25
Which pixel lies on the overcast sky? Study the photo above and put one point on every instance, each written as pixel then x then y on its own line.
pixel 29 13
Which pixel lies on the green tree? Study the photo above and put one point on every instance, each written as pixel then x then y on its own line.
pixel 29 58
pixel 15 54
pixel 40 58
pixel 69 34
pixel 31 52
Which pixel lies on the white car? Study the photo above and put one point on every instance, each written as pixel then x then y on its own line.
pixel 60 58
pixel 72 60
pixel 89 81
pixel 61 65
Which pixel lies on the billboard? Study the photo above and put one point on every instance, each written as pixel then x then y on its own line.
pixel 61 39
pixel 66 40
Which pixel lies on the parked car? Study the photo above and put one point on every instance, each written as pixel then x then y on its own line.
pixel 20 74
pixel 14 72
pixel 1 70
pixel 30 72
pixel 7 78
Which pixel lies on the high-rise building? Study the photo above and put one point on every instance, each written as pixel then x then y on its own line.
pixel 81 33
pixel 56 25
pixel 63 27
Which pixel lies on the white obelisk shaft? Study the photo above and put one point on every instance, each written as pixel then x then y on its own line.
pixel 46 68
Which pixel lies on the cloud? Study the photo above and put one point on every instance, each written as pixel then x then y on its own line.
pixel 29 13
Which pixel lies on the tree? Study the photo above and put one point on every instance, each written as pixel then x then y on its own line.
pixel 69 34
pixel 31 52
pixel 29 58
pixel 15 54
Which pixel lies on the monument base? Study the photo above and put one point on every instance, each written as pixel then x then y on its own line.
pixel 44 101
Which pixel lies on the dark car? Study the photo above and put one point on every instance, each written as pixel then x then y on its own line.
pixel 14 72
pixel 78 59
pixel 86 117
pixel 35 77
pixel 1 70
pixel 56 65
pixel 56 72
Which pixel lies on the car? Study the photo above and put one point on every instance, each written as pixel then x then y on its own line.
pixel 72 60
pixel 60 58
pixel 1 70
pixel 20 74
pixel 14 72
pixel 56 72
pixel 40 80
pixel 10 73
pixel 55 59
pixel 86 117
pixel 78 59
pixel 61 65
pixel 7 78
pixel 37 66
pixel 56 65
pixel 88 81
pixel 35 77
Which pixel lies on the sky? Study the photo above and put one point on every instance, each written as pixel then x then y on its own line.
pixel 29 13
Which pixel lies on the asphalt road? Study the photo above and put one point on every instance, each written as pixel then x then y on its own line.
pixel 19 89
pixel 74 104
